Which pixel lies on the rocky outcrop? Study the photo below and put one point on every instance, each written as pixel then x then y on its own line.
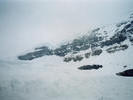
pixel 117 38
pixel 128 73
pixel 96 52
pixel 73 58
pixel 39 52
pixel 90 67
pixel 117 48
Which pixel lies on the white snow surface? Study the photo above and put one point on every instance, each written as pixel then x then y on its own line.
pixel 49 78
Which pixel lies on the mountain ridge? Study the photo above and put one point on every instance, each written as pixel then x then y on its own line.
pixel 111 37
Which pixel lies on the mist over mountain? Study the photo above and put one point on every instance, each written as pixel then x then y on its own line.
pixel 110 39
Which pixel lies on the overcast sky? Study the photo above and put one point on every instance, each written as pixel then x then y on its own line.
pixel 26 23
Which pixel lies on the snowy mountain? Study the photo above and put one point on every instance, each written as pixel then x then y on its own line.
pixel 82 69
pixel 108 39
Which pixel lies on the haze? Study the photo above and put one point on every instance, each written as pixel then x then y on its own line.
pixel 24 23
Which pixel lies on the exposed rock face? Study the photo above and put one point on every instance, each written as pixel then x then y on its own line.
pixel 62 50
pixel 96 52
pixel 68 59
pixel 128 73
pixel 116 48
pixel 74 58
pixel 117 38
pixel 90 67
pixel 39 52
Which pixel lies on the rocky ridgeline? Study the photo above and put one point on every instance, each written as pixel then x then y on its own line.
pixel 94 42
pixel 38 52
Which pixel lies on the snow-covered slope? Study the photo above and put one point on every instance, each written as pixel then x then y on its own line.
pixel 49 78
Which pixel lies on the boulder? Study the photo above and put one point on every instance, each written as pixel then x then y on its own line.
pixel 128 73
pixel 96 52
pixel 90 67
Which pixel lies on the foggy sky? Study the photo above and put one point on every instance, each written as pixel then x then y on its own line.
pixel 27 23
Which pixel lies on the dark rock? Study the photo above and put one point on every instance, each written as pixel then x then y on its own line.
pixel 80 44
pixel 96 52
pixel 127 26
pixel 128 73
pixel 36 54
pixel 120 24
pixel 74 52
pixel 117 48
pixel 63 50
pixel 117 38
pixel 96 30
pixel 132 22
pixel 123 30
pixel 131 39
pixel 87 55
pixel 41 48
pixel 77 58
pixel 28 56
pixel 130 30
pixel 90 67
pixel 125 66
pixel 67 59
